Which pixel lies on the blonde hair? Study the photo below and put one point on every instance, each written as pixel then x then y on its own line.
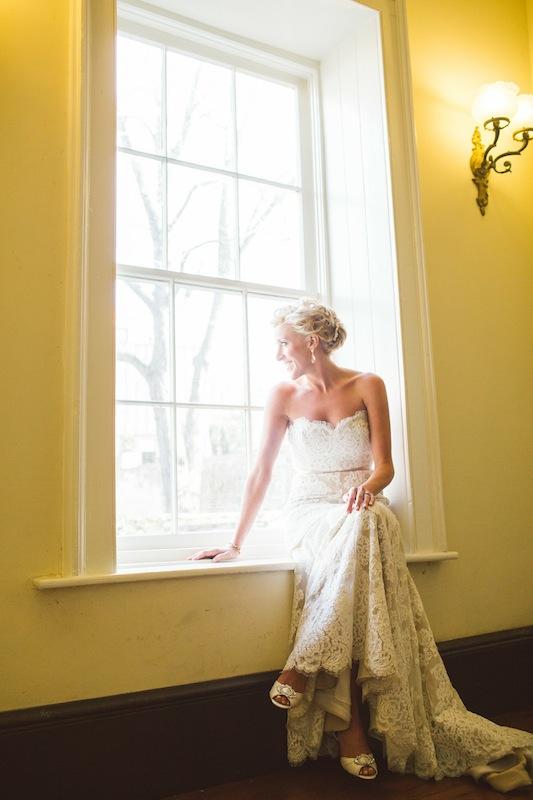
pixel 309 316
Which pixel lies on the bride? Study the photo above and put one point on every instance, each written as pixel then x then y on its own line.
pixel 359 633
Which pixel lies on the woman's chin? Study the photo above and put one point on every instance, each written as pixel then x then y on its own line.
pixel 293 372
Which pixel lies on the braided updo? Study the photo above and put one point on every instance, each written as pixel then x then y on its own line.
pixel 307 317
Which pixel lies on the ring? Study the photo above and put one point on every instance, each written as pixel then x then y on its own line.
pixel 369 493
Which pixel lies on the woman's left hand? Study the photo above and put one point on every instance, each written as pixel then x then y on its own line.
pixel 358 496
pixel 216 554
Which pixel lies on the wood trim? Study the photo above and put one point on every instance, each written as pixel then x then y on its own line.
pixel 151 744
pixel 491 671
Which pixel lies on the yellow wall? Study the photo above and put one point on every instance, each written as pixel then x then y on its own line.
pixel 530 28
pixel 479 273
pixel 93 641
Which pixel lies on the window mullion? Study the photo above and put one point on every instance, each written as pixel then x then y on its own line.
pixel 174 411
pixel 165 162
pixel 236 178
pixel 179 162
pixel 209 281
pixel 172 326
pixel 248 413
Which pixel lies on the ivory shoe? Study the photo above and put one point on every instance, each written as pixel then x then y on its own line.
pixel 354 765
pixel 284 690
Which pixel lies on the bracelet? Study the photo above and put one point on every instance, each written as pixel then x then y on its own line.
pixel 234 547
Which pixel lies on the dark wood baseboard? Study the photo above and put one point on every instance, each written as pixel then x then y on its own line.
pixel 153 744
pixel 492 672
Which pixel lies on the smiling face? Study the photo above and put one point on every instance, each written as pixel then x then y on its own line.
pixel 292 350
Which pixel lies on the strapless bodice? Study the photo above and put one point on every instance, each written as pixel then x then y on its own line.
pixel 328 459
pixel 318 446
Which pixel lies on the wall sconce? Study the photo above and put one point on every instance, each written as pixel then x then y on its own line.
pixel 496 106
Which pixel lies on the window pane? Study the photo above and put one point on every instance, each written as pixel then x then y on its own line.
pixel 209 346
pixel 200 112
pixel 139 211
pixel 267 129
pixel 271 511
pixel 211 469
pixel 265 370
pixel 143 329
pixel 270 235
pixel 143 467
pixel 139 67
pixel 201 222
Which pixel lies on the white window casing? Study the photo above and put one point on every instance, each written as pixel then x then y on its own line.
pixel 371 245
pixel 88 485
pixel 376 259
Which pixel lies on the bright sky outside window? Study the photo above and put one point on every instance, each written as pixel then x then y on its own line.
pixel 208 185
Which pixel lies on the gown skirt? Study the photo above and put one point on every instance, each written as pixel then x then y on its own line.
pixel 355 600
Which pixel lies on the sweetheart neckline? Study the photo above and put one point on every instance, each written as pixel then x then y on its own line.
pixel 326 422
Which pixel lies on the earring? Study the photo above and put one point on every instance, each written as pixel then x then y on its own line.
pixel 313 359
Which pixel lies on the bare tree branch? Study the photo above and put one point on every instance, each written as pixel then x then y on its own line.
pixel 191 108
pixel 200 361
pixel 153 222
pixel 257 221
pixel 195 247
pixel 134 286
pixel 186 201
pixel 122 121
pixel 136 362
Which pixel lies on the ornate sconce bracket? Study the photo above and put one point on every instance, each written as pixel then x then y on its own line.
pixel 482 161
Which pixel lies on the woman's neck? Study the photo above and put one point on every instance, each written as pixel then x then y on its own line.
pixel 325 377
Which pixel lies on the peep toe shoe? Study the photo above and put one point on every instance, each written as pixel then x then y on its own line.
pixel 354 765
pixel 284 690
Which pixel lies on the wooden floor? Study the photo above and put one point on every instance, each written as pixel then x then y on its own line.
pixel 326 780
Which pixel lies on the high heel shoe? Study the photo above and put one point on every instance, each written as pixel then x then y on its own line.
pixel 284 690
pixel 354 764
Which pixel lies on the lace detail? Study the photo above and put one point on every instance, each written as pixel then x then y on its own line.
pixel 319 446
pixel 355 600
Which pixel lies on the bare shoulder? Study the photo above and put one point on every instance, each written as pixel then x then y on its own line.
pixel 280 397
pixel 370 382
pixel 372 389
pixel 374 395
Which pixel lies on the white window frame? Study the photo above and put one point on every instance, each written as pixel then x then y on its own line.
pixel 89 541
pixel 178 36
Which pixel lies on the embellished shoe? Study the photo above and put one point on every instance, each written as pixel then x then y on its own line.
pixel 284 690
pixel 354 765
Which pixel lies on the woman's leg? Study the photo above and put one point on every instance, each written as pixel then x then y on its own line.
pixel 353 741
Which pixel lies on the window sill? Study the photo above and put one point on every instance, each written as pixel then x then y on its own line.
pixel 186 569
pixel 195 569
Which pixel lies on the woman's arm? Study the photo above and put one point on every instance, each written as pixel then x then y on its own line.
pixel 374 397
pixel 274 426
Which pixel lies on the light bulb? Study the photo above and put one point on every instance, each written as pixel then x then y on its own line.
pixel 495 100
pixel 523 117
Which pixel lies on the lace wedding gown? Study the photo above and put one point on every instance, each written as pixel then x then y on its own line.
pixel 355 599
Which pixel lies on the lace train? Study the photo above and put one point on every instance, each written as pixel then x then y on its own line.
pixel 355 600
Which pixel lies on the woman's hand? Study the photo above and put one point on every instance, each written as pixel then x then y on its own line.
pixel 215 554
pixel 358 496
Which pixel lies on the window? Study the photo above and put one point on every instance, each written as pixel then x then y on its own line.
pixel 214 230
pixel 349 67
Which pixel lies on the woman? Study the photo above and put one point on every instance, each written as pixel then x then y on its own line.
pixel 359 633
